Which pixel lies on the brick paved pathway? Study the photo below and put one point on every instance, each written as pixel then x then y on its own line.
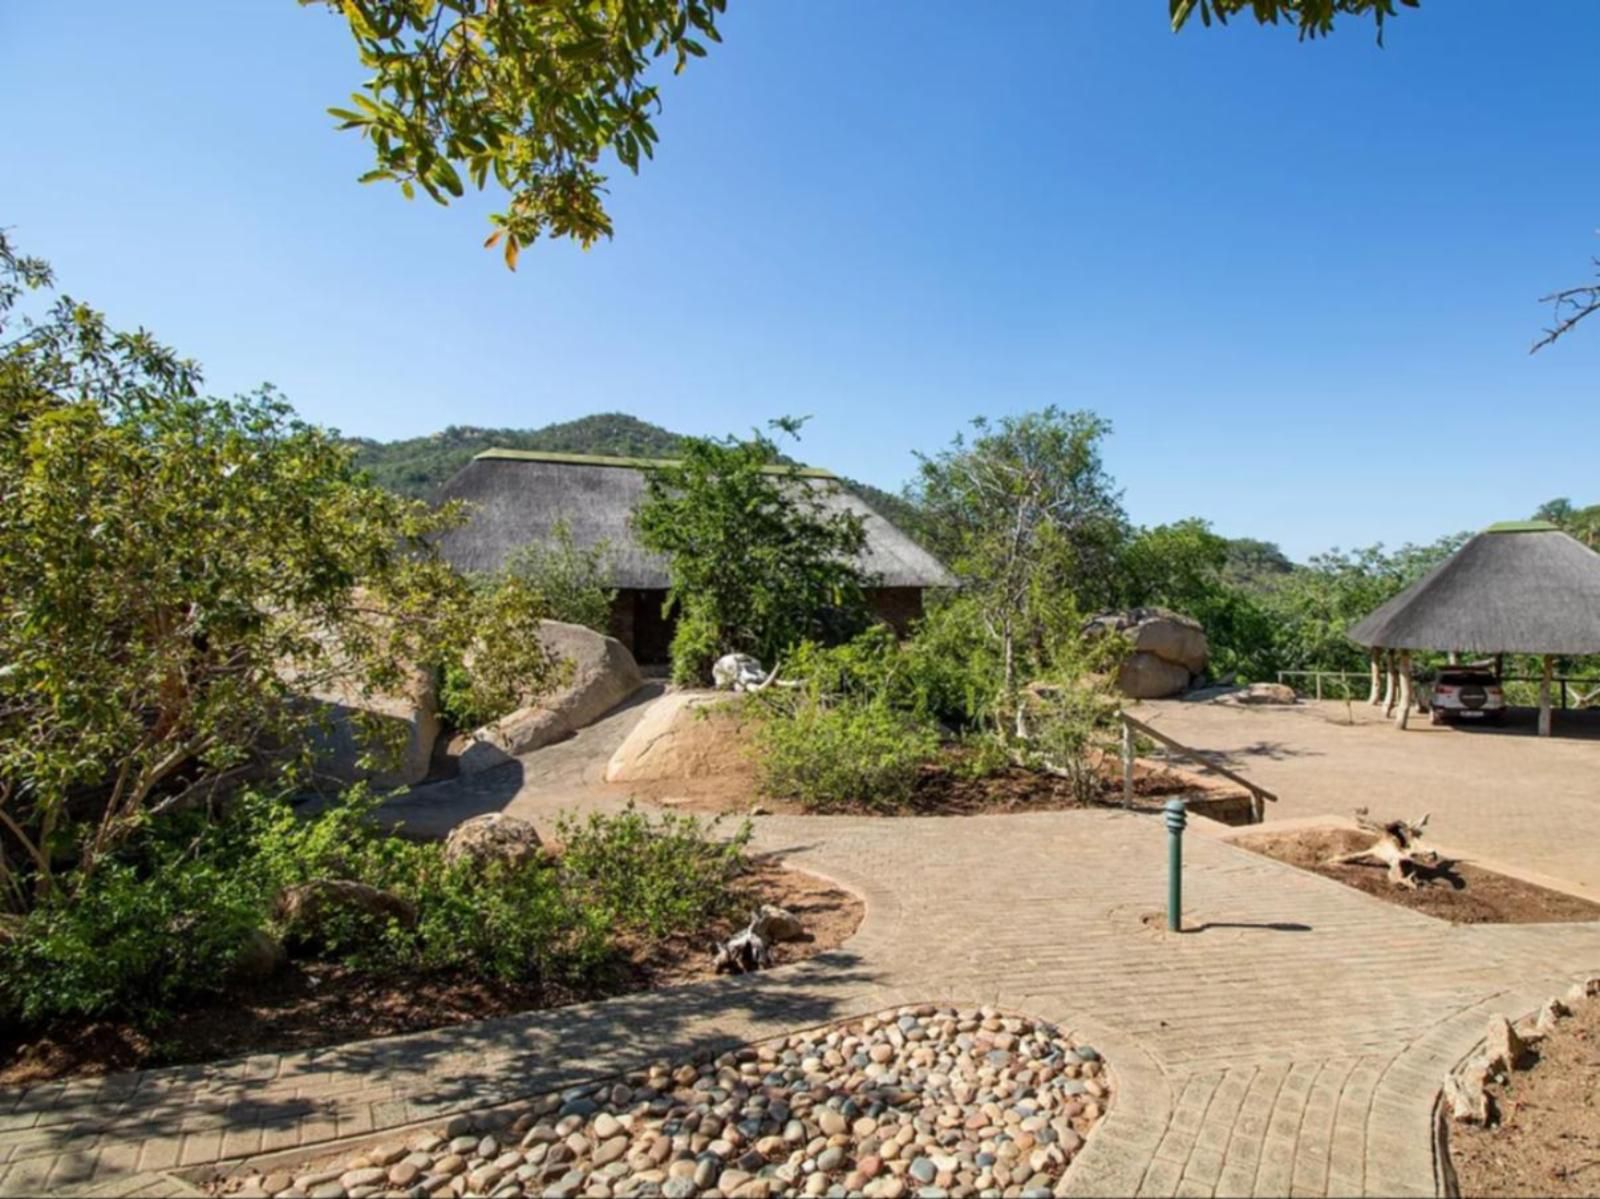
pixel 1292 1044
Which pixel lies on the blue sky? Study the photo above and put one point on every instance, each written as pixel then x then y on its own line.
pixel 1300 279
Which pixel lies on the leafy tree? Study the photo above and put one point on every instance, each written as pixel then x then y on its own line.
pixel 1582 523
pixel 1252 561
pixel 533 92
pixel 179 575
pixel 1311 17
pixel 1186 567
pixel 1027 517
pixel 1316 605
pixel 758 560
pixel 570 580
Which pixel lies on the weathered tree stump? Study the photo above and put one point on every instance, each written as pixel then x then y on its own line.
pixel 1397 845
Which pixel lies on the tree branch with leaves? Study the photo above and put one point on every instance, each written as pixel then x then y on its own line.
pixel 534 93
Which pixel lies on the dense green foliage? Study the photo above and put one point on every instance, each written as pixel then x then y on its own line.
pixel 1310 17
pixel 181 573
pixel 165 918
pixel 531 92
pixel 1028 519
pixel 1582 523
pixel 832 752
pixel 757 559
pixel 570 580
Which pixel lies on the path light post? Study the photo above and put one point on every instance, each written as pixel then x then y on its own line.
pixel 1177 816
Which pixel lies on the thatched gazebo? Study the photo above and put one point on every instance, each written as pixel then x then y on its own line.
pixel 1521 587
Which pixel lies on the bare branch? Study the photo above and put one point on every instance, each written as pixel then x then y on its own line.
pixel 1569 306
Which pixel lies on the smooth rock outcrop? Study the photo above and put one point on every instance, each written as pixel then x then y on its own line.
pixel 684 735
pixel 1166 650
pixel 601 673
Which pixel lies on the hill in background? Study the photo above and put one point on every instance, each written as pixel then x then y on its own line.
pixel 417 466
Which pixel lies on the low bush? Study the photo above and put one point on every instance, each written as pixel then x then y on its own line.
pixel 164 921
pixel 658 877
pixel 831 754
pixel 133 940
pixel 1073 727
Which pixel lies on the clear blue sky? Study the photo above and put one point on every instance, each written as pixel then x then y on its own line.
pixel 1299 278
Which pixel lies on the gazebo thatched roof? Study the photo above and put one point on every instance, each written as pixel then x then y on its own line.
pixel 1518 587
pixel 519 496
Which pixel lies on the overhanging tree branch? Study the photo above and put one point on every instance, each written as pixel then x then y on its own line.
pixel 1569 307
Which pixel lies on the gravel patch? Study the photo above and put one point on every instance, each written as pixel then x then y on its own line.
pixel 915 1101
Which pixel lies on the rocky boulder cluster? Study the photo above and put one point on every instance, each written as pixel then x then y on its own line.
pixel 1166 651
pixel 918 1101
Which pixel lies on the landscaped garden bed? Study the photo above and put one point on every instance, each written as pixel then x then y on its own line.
pixel 1542 1136
pixel 1474 896
pixel 894 1104
pixel 332 995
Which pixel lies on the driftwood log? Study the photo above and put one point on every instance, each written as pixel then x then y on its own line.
pixel 1397 844
pixel 751 949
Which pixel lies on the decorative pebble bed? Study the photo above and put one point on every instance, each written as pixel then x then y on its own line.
pixel 918 1101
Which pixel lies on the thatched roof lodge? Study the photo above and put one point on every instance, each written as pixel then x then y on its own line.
pixel 1521 587
pixel 519 496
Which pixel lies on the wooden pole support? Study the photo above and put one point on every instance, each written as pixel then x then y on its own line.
pixel 1127 765
pixel 1544 696
pixel 1376 697
pixel 1403 716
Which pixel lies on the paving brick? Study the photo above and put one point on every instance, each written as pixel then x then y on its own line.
pixel 1252 1060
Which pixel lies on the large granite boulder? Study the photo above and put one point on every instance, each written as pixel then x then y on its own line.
pixel 1262 693
pixel 683 735
pixel 1166 650
pixel 601 673
pixel 346 738
pixel 1148 676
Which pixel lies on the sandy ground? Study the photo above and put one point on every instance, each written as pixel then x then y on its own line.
pixel 1499 794
pixel 1546 1140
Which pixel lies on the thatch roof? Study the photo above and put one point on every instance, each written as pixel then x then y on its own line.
pixel 1518 587
pixel 518 496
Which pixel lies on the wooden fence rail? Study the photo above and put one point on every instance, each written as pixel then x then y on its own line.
pixel 1584 691
pixel 1259 796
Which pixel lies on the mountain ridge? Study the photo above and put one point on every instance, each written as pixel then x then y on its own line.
pixel 418 466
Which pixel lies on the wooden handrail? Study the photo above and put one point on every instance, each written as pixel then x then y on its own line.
pixel 1259 793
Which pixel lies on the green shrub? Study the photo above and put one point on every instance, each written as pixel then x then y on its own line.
pixel 660 877
pixel 457 703
pixel 695 645
pixel 163 921
pixel 845 753
pixel 570 580
pixel 516 924
pixel 1073 727
pixel 133 940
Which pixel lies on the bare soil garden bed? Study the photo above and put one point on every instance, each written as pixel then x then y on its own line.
pixel 945 789
pixel 1483 896
pixel 1546 1140
pixel 313 1004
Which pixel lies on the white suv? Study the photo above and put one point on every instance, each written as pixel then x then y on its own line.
pixel 1467 693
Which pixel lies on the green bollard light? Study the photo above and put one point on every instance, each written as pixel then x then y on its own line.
pixel 1177 816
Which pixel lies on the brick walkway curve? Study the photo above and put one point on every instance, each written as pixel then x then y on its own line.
pixel 1293 1043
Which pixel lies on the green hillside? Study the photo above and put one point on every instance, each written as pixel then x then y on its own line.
pixel 418 465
